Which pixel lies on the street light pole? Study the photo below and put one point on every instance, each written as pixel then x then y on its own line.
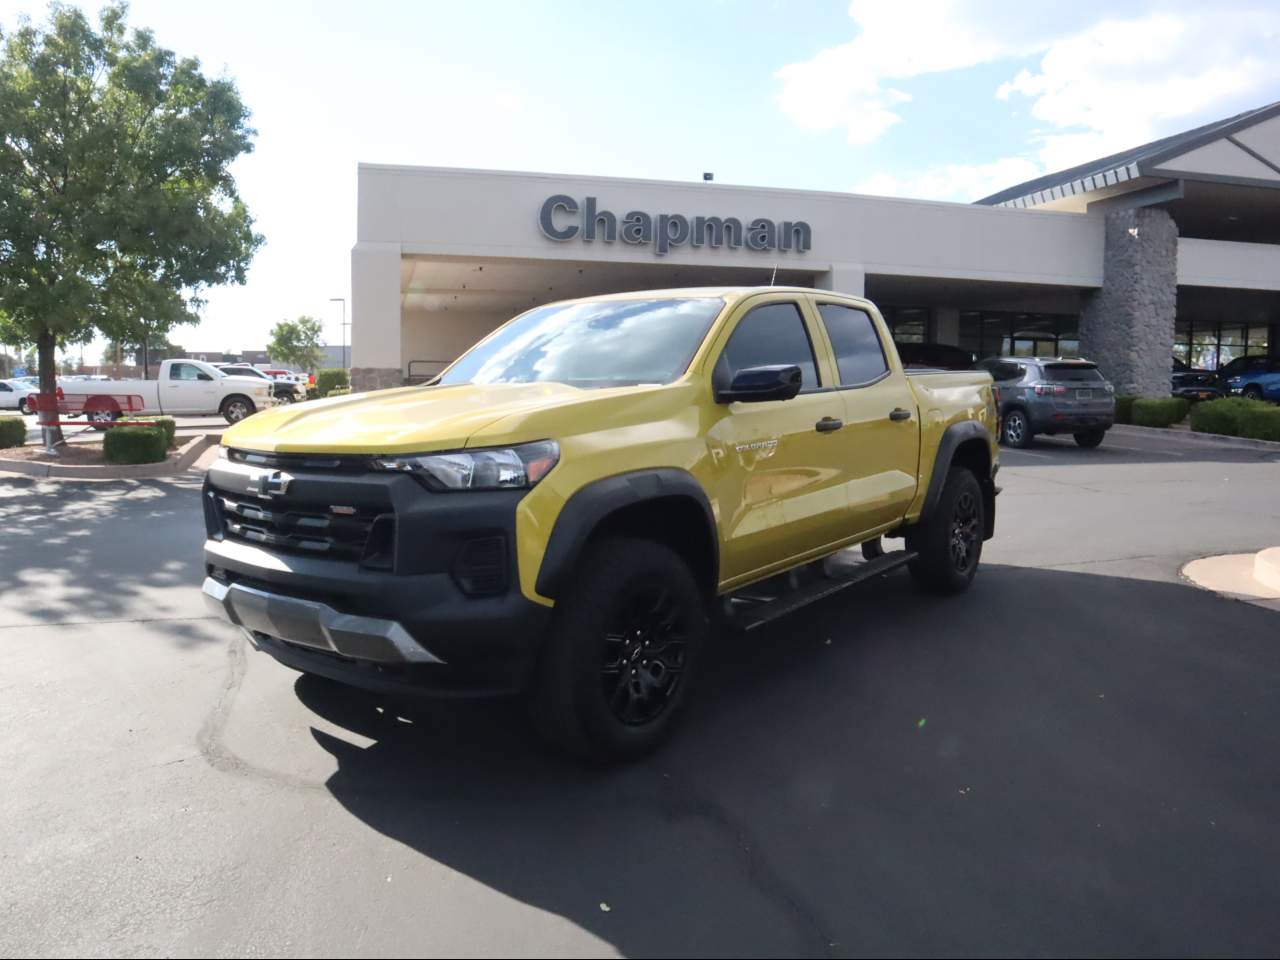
pixel 343 301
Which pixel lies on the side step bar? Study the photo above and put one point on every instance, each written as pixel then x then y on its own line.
pixel 758 614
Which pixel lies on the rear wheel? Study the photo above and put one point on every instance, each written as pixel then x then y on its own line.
pixel 236 408
pixel 23 409
pixel 621 653
pixel 949 543
pixel 1252 392
pixel 101 411
pixel 1016 431
pixel 1090 438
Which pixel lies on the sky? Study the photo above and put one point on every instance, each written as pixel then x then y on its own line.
pixel 931 99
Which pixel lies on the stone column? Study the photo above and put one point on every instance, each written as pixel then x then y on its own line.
pixel 1127 326
pixel 375 317
pixel 843 278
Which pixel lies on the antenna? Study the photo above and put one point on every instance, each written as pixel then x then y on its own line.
pixel 775 275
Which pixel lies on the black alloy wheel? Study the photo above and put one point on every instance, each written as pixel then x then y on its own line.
pixel 965 533
pixel 644 653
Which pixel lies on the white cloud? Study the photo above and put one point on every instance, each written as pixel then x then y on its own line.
pixel 852 85
pixel 1118 82
pixel 952 181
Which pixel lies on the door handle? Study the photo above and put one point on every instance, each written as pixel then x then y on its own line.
pixel 827 424
pixel 899 414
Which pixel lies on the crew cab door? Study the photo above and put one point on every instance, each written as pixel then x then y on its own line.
pixel 880 439
pixel 188 389
pixel 778 486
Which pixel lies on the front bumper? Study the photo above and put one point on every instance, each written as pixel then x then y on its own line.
pixel 404 616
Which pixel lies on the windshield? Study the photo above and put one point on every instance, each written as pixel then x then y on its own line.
pixel 600 343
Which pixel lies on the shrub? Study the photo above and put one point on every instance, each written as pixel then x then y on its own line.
pixel 1260 422
pixel 13 432
pixel 1161 412
pixel 1222 416
pixel 329 378
pixel 339 391
pixel 1124 409
pixel 134 445
pixel 167 424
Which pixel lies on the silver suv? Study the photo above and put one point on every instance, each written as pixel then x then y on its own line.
pixel 1051 395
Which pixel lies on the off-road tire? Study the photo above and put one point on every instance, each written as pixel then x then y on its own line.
pixel 577 702
pixel 949 543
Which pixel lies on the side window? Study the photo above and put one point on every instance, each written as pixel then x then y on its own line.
pixel 5 388
pixel 183 371
pixel 859 354
pixel 772 334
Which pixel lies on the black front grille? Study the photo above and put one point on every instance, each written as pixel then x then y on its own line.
pixel 340 533
pixel 346 463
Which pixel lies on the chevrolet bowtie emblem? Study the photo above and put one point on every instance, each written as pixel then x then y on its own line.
pixel 274 484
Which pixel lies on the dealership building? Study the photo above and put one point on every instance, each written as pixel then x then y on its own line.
pixel 1169 250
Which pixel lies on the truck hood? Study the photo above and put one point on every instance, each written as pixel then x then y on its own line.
pixel 404 420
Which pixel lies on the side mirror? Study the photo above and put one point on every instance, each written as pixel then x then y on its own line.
pixel 757 384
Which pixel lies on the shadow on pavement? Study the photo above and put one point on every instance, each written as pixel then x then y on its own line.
pixel 1055 763
pixel 99 551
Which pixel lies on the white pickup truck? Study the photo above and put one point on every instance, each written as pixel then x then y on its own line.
pixel 190 388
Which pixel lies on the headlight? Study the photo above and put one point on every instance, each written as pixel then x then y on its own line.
pixel 492 468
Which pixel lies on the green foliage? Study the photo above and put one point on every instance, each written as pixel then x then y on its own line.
pixel 13 432
pixel 167 425
pixel 117 203
pixel 329 378
pixel 297 343
pixel 1260 422
pixel 1222 416
pixel 1159 412
pixel 340 392
pixel 1124 409
pixel 134 445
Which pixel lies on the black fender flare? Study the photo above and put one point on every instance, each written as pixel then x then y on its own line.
pixel 593 503
pixel 952 437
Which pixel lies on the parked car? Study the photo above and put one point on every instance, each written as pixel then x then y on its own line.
pixel 184 387
pixel 1257 378
pixel 935 356
pixel 566 507
pixel 285 391
pixel 1192 383
pixel 1051 395
pixel 13 395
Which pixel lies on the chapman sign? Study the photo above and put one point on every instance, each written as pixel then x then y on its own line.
pixel 562 218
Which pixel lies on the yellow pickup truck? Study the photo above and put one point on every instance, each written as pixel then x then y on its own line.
pixel 570 508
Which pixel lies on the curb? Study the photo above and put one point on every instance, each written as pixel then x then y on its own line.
pixel 1269 445
pixel 188 454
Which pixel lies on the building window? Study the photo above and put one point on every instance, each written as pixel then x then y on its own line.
pixel 908 324
pixel 991 333
pixel 1211 345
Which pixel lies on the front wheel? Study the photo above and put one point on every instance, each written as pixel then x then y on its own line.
pixel 1090 438
pixel 235 409
pixel 1252 392
pixel 23 409
pixel 622 652
pixel 949 544
pixel 1017 429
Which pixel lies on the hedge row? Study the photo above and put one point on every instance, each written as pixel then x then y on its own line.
pixel 135 445
pixel 1124 409
pixel 329 378
pixel 1237 417
pixel 340 391
pixel 167 424
pixel 1159 412
pixel 13 432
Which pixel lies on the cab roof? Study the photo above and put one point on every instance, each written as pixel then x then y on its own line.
pixel 728 294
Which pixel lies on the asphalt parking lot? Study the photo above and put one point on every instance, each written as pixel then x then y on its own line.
pixel 1076 757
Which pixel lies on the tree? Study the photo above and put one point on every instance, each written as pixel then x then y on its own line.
pixel 116 197
pixel 297 343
